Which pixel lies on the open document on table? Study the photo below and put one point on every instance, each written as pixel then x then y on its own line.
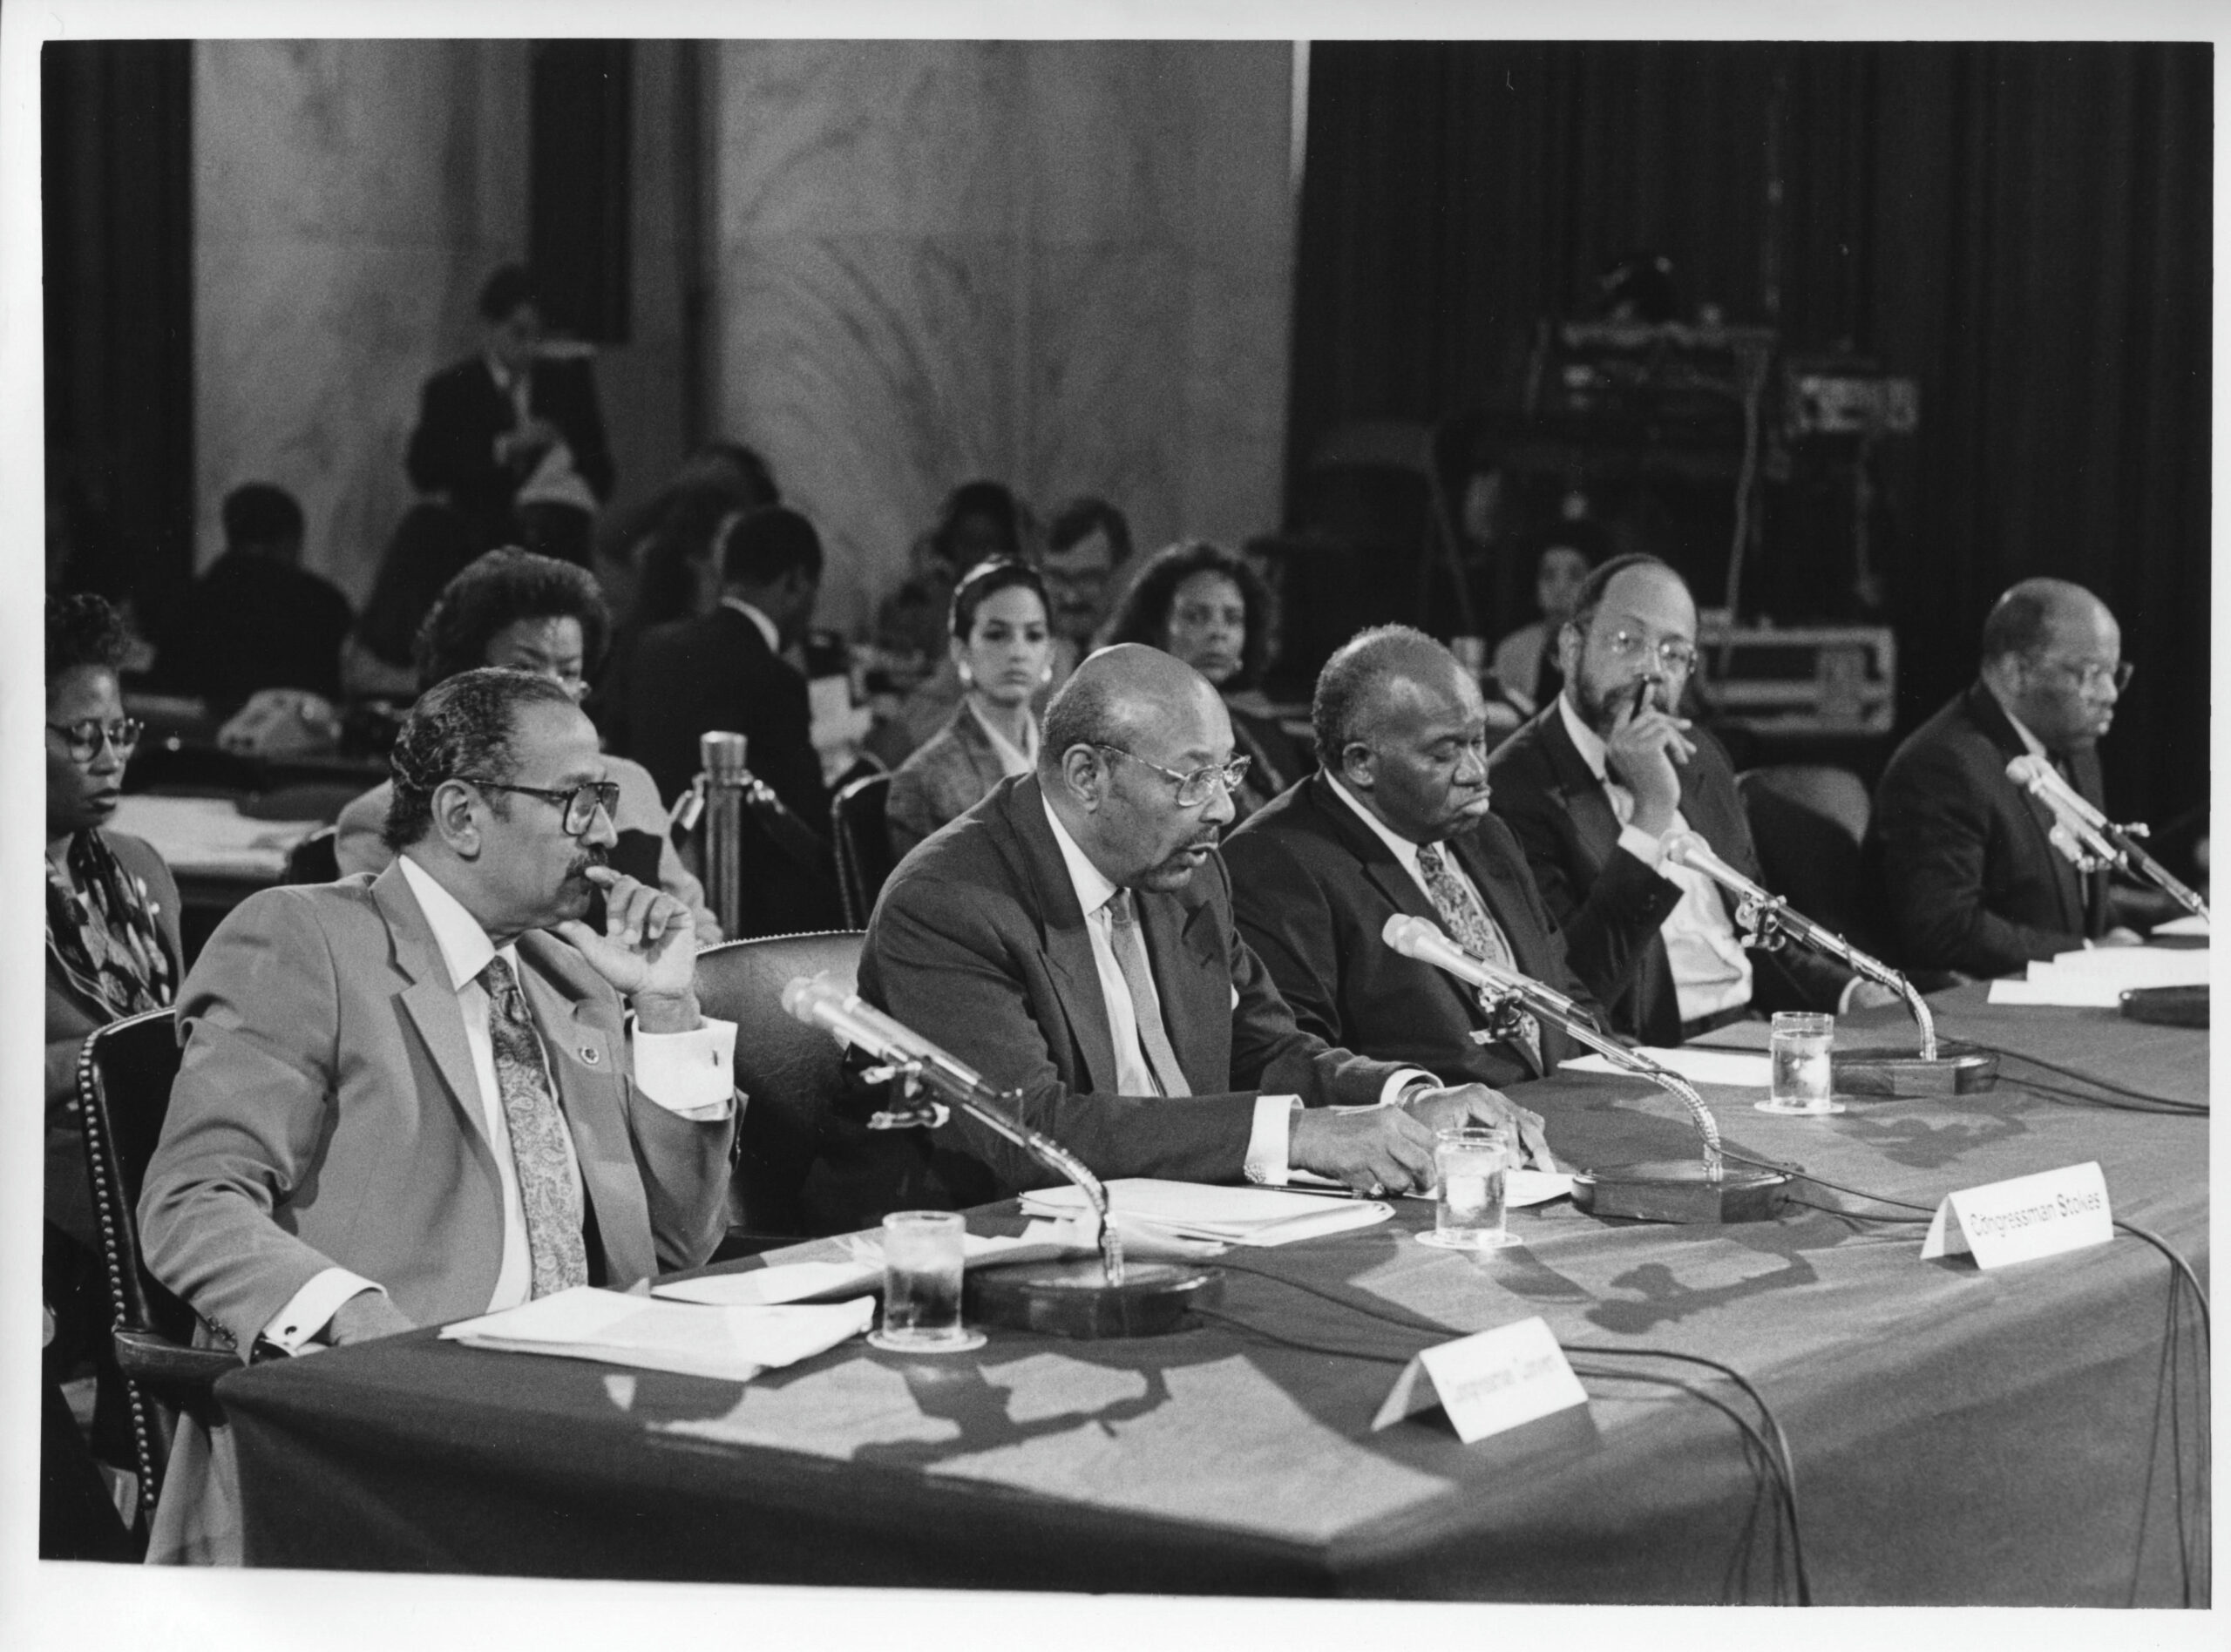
pixel 2097 977
pixel 734 1343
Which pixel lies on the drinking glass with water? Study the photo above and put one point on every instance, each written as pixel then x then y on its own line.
pixel 1801 1070
pixel 1471 1166
pixel 921 1285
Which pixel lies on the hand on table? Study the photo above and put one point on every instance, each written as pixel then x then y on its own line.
pixel 1374 1150
pixel 1870 995
pixel 1454 1106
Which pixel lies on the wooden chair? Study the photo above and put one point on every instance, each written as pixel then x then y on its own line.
pixel 864 856
pixel 792 1073
pixel 125 1071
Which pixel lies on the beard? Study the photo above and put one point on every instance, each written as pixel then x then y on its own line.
pixel 1599 705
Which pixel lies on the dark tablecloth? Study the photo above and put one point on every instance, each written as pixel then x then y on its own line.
pixel 2017 1436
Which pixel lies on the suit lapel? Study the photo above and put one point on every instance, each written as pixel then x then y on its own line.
pixel 1068 947
pixel 2068 885
pixel 1595 827
pixel 1384 873
pixel 977 745
pixel 431 1002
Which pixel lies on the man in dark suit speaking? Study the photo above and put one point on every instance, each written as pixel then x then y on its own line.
pixel 1396 821
pixel 1071 937
pixel 1961 857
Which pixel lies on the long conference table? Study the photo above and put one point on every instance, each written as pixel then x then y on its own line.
pixel 2031 1435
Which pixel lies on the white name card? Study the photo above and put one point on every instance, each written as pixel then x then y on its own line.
pixel 1488 1382
pixel 2022 1220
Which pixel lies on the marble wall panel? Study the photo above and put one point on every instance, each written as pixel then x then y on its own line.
pixel 1065 265
pixel 349 197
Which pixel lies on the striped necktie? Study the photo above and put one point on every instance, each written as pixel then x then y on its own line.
pixel 549 1192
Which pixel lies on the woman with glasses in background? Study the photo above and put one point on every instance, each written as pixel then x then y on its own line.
pixel 1204 604
pixel 1001 645
pixel 112 950
pixel 535 613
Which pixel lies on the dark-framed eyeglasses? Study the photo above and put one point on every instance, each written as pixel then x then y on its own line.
pixel 2091 676
pixel 81 740
pixel 1193 789
pixel 580 803
pixel 1677 656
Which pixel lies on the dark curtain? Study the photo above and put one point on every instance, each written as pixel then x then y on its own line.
pixel 116 126
pixel 578 120
pixel 2023 229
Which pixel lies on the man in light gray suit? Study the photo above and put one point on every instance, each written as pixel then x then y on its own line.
pixel 405 1100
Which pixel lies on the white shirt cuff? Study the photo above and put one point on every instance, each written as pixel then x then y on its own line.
pixel 692 1073
pixel 1843 998
pixel 312 1305
pixel 1391 1092
pixel 1643 846
pixel 1268 1142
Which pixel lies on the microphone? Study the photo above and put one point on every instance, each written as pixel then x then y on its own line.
pixel 1415 938
pixel 1679 1191
pixel 2089 839
pixel 822 1003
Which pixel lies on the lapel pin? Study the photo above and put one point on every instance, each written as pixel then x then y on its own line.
pixel 591 1054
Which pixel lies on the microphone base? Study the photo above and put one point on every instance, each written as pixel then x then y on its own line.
pixel 1677 1190
pixel 1957 1071
pixel 1074 1298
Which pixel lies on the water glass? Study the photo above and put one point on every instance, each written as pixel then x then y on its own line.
pixel 1799 1074
pixel 1470 1166
pixel 921 1285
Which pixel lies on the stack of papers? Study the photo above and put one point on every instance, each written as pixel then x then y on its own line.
pixel 2190 923
pixel 1699 1067
pixel 2097 978
pixel 1520 1187
pixel 1147 1207
pixel 733 1343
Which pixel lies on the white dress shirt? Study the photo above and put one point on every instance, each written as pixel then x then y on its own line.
pixel 1711 973
pixel 690 1074
pixel 1268 1143
pixel 1407 852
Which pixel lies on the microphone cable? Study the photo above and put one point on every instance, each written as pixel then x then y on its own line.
pixel 2160 1103
pixel 1778 1456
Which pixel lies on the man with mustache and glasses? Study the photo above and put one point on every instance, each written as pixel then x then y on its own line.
pixel 1960 855
pixel 431 1094
pixel 1071 938
pixel 1597 782
pixel 1396 821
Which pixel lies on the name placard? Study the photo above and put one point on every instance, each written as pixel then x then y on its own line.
pixel 2022 1220
pixel 1488 1382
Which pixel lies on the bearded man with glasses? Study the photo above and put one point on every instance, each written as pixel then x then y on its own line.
pixel 1596 784
pixel 435 1092
pixel 1071 938
pixel 1963 858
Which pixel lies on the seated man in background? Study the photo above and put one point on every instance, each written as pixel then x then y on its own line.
pixel 527 612
pixel 256 618
pixel 511 437
pixel 1071 937
pixel 1597 782
pixel 1961 857
pixel 437 1092
pixel 1396 820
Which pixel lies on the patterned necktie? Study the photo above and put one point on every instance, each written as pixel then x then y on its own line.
pixel 1130 948
pixel 1475 930
pixel 549 1195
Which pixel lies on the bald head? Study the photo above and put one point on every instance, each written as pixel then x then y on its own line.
pixel 2052 654
pixel 1127 727
pixel 2033 617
